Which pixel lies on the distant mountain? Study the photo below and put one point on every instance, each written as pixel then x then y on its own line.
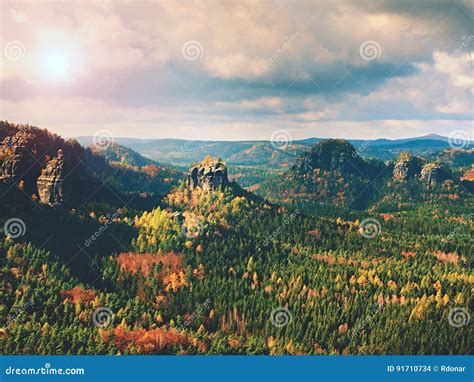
pixel 390 151
pixel 262 153
pixel 400 141
pixel 433 136
pixel 182 152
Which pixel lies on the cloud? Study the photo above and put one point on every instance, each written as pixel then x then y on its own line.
pixel 260 65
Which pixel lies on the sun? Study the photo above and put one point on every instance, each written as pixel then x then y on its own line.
pixel 55 56
pixel 57 66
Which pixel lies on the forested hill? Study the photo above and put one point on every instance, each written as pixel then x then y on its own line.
pixel 121 155
pixel 331 173
pixel 214 269
pixel 212 272
pixel 269 154
pixel 332 176
pixel 45 168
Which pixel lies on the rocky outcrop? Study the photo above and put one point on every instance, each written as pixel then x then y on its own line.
pixel 18 154
pixel 52 188
pixel 42 167
pixel 400 171
pixel 434 173
pixel 208 175
pixel 336 155
pixel 407 167
pixel 330 155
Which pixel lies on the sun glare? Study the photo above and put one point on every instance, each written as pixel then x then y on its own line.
pixel 57 66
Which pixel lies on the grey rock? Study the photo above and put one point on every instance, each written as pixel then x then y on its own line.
pixel 407 167
pixel 52 187
pixel 434 173
pixel 209 175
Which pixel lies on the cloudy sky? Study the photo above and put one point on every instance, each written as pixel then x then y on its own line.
pixel 201 69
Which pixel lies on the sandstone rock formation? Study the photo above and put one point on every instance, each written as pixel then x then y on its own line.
pixel 209 175
pixel 407 167
pixel 434 173
pixel 18 152
pixel 51 185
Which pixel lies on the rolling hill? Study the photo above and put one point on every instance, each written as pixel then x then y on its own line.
pixel 263 153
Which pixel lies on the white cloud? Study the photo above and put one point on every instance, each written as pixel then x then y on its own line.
pixel 264 59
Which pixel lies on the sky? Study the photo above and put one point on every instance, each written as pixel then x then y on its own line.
pixel 239 70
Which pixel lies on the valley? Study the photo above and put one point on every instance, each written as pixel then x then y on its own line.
pixel 326 246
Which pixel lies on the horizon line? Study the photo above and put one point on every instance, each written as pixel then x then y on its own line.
pixel 427 136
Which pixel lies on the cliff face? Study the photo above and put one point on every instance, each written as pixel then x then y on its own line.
pixel 434 173
pixel 413 167
pixel 38 166
pixel 18 155
pixel 407 167
pixel 25 153
pixel 52 188
pixel 209 175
